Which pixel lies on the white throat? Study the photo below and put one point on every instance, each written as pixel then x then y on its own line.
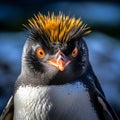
pixel 63 102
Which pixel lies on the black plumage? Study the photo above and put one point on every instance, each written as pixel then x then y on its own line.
pixel 55 56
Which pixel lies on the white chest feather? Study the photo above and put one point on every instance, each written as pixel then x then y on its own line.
pixel 64 102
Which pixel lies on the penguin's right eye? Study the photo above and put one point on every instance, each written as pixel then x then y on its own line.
pixel 75 52
pixel 40 53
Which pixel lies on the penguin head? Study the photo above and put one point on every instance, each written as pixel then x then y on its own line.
pixel 55 51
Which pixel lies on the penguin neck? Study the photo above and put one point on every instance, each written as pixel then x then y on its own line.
pixel 54 77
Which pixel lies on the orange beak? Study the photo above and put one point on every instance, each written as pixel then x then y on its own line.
pixel 59 61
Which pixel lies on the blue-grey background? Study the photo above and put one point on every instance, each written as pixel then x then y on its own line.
pixel 104 42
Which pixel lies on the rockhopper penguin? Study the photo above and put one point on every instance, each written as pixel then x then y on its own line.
pixel 57 81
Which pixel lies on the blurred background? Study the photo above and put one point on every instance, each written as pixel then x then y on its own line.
pixel 104 42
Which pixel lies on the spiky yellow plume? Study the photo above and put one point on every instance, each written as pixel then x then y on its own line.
pixel 59 28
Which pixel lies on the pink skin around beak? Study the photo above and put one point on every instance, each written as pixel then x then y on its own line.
pixel 59 61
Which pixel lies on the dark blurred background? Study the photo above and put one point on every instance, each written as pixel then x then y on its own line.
pixel 104 42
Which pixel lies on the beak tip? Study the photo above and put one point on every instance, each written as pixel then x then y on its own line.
pixel 61 69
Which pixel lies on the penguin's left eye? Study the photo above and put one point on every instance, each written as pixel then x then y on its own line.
pixel 75 52
pixel 40 53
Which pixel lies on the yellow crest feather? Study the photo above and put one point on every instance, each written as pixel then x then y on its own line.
pixel 59 28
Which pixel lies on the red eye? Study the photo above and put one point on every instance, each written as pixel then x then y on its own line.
pixel 75 52
pixel 40 53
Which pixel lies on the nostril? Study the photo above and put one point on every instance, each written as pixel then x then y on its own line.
pixel 62 58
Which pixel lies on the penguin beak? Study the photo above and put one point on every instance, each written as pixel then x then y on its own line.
pixel 59 61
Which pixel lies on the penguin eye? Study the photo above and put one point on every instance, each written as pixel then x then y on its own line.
pixel 40 53
pixel 75 52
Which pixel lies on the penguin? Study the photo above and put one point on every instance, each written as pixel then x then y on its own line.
pixel 57 81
